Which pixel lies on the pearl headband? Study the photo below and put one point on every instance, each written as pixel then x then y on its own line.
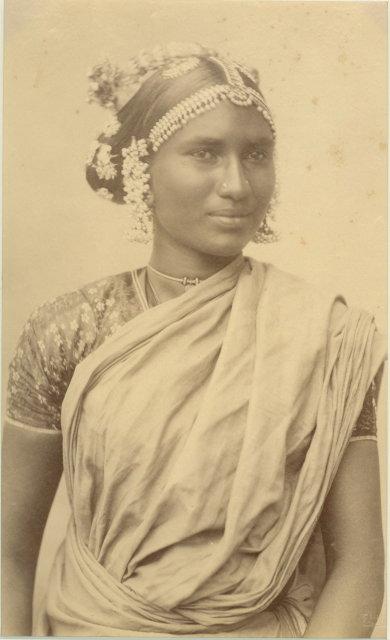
pixel 112 88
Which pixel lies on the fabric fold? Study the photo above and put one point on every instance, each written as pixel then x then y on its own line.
pixel 200 442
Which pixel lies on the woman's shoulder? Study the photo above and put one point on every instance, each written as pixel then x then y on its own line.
pixel 99 306
pixel 281 278
pixel 57 337
pixel 290 286
pixel 311 307
pixel 311 304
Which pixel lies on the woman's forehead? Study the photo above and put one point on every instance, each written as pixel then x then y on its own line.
pixel 226 121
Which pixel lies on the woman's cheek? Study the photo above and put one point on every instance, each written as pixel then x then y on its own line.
pixel 265 186
pixel 191 190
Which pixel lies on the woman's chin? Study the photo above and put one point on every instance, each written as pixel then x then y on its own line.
pixel 222 244
pixel 225 246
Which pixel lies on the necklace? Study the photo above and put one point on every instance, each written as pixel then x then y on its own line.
pixel 156 300
pixel 186 281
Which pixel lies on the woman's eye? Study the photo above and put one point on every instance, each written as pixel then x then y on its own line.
pixel 203 154
pixel 257 156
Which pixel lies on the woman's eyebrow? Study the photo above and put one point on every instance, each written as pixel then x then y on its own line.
pixel 206 140
pixel 255 142
pixel 259 140
pixel 210 140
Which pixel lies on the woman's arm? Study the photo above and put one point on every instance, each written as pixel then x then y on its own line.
pixel 31 470
pixel 351 600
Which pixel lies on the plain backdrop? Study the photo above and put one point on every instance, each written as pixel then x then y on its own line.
pixel 323 71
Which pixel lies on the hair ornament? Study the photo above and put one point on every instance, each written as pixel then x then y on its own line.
pixel 105 193
pixel 111 87
pixel 177 69
pixel 235 90
pixel 252 74
pixel 100 158
pixel 178 116
pixel 136 185
pixel 105 82
pixel 112 127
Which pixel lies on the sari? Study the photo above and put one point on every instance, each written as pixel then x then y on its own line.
pixel 200 442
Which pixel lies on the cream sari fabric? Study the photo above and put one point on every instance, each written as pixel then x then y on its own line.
pixel 200 442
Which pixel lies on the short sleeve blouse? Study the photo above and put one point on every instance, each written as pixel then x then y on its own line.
pixel 59 335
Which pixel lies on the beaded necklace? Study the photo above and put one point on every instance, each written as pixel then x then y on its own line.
pixel 186 281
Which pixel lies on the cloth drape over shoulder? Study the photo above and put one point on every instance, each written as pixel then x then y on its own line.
pixel 200 442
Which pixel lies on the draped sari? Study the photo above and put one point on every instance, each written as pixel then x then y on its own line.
pixel 200 442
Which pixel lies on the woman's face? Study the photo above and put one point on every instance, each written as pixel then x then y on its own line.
pixel 212 181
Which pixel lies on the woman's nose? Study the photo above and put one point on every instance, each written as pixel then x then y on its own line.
pixel 234 183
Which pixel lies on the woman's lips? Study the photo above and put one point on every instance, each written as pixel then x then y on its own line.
pixel 230 213
pixel 230 217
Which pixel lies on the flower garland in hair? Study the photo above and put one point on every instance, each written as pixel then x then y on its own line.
pixel 100 158
pixel 111 87
pixel 137 188
pixel 105 81
pixel 112 127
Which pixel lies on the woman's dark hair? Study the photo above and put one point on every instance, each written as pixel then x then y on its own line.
pixel 155 97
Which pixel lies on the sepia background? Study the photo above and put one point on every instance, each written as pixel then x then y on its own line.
pixel 323 71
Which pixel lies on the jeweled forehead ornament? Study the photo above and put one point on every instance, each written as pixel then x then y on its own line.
pixel 112 88
pixel 234 90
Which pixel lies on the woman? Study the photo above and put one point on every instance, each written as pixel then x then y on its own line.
pixel 215 414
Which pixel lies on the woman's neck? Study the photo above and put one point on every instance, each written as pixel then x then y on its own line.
pixel 180 263
pixel 186 263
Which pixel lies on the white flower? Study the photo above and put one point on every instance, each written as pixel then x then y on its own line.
pixel 105 193
pixel 103 164
pixel 112 127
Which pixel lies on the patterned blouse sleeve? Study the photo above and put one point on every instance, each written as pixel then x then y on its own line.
pixel 365 427
pixel 56 337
